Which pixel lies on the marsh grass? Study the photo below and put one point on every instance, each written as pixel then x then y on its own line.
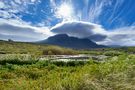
pixel 115 74
pixel 20 69
pixel 18 59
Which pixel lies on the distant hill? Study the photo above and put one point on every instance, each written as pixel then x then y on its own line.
pixel 70 42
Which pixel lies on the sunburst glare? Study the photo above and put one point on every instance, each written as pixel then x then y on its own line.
pixel 65 11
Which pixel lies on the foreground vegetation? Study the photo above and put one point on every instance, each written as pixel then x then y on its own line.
pixel 118 73
pixel 27 72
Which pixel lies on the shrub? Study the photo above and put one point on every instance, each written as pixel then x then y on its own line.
pixel 59 63
pixel 69 63
pixel 33 75
pixel 113 53
pixel 76 63
pixel 17 59
pixel 54 50
pixel 2 52
pixel 41 64
pixel 7 75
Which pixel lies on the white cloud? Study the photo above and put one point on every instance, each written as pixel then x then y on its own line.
pixel 117 5
pixel 11 28
pixel 18 1
pixel 2 5
pixel 5 14
pixel 9 8
pixel 91 10
pixel 78 29
pixel 94 11
pixel 122 36
pixel 11 25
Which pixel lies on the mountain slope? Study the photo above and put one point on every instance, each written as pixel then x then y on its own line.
pixel 70 42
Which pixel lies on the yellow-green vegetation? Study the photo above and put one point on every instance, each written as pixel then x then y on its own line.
pixel 53 50
pixel 118 73
pixel 25 71
pixel 30 48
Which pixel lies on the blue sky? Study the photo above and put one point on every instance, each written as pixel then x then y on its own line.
pixel 33 20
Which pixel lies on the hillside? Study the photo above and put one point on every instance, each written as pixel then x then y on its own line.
pixel 11 47
pixel 70 42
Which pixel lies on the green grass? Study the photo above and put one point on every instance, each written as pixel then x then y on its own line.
pixel 118 73
pixel 30 48
pixel 21 69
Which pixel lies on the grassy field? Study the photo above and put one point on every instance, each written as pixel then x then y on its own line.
pixel 30 48
pixel 21 69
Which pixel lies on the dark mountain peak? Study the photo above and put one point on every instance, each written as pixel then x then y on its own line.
pixel 61 36
pixel 71 42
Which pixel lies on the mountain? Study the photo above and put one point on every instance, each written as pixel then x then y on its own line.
pixel 70 42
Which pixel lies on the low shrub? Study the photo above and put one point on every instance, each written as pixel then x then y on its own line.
pixel 113 53
pixel 69 63
pixel 17 59
pixel 59 63
pixel 54 50
pixel 7 75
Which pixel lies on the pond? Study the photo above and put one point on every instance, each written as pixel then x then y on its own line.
pixel 65 58
pixel 81 57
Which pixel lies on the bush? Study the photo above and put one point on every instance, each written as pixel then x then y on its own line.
pixel 33 75
pixel 69 63
pixel 17 59
pixel 2 52
pixel 54 50
pixel 41 64
pixel 76 63
pixel 113 53
pixel 59 63
pixel 8 75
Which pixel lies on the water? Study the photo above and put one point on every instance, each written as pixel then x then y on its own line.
pixel 66 58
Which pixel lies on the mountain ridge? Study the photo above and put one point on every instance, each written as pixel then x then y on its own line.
pixel 70 42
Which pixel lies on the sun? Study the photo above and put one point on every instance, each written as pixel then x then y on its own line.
pixel 65 11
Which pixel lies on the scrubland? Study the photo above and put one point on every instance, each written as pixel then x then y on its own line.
pixel 22 69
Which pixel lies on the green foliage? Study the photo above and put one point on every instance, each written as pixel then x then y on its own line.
pixel 21 69
pixel 54 50
pixel 34 49
pixel 113 53
pixel 69 63
pixel 118 73
pixel 8 75
pixel 16 59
